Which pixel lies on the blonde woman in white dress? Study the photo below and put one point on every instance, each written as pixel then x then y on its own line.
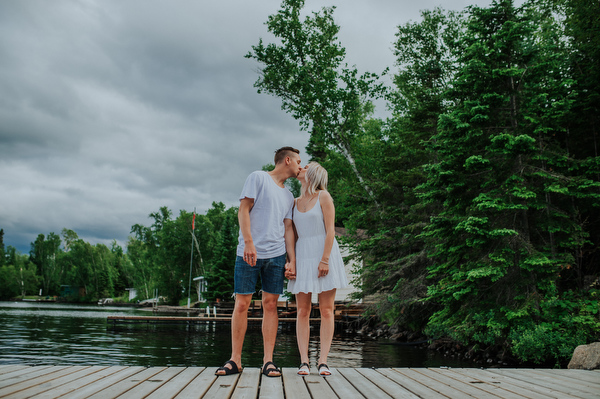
pixel 319 266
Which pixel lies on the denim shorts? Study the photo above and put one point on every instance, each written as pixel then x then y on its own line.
pixel 271 275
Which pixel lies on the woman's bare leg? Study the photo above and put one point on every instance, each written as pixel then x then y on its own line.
pixel 304 306
pixel 326 306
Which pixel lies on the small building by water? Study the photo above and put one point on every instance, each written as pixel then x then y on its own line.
pixel 72 291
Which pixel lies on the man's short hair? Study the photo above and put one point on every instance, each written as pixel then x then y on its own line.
pixel 283 153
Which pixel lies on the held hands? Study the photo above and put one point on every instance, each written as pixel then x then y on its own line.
pixel 290 270
pixel 323 268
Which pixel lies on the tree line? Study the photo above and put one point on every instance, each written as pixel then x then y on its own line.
pixel 157 257
pixel 474 206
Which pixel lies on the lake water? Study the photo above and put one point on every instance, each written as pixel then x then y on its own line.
pixel 36 333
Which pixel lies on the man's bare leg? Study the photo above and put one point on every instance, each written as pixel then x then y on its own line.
pixel 270 324
pixel 239 325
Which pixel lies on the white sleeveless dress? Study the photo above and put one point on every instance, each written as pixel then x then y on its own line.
pixel 309 252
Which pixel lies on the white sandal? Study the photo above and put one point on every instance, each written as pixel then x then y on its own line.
pixel 324 370
pixel 304 369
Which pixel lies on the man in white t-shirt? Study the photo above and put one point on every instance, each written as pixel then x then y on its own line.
pixel 266 237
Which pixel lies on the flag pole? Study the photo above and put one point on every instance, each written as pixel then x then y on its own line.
pixel 191 256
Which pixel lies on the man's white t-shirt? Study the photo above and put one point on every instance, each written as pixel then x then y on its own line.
pixel 272 204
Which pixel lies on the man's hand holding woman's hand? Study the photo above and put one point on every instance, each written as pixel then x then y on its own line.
pixel 290 270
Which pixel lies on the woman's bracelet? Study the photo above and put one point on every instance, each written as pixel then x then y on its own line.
pixel 324 262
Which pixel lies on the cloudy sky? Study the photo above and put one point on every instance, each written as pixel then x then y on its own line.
pixel 110 109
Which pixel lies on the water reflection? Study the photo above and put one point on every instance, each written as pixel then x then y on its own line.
pixel 48 333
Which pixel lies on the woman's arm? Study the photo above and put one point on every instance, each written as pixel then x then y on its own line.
pixel 329 221
pixel 290 248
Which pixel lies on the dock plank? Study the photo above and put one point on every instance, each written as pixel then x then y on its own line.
pixel 363 385
pixel 413 386
pixel 177 384
pixel 17 372
pixel 126 384
pixel 79 382
pixel 270 388
pixel 562 386
pixel 6 369
pixel 201 384
pixel 26 383
pixel 294 385
pixel 27 374
pixel 58 382
pixel 319 387
pixel 247 386
pixel 473 390
pixel 150 385
pixel 583 375
pixel 531 391
pixel 568 381
pixel 492 387
pixel 222 386
pixel 342 387
pixel 390 387
pixel 74 385
pixel 109 380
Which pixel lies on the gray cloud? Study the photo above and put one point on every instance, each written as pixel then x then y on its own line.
pixel 111 109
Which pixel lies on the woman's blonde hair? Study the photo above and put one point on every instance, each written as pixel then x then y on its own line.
pixel 316 178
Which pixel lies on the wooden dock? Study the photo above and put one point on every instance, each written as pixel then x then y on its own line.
pixel 104 382
pixel 169 320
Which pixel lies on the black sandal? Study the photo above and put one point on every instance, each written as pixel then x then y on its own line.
pixel 228 371
pixel 304 372
pixel 266 370
pixel 324 373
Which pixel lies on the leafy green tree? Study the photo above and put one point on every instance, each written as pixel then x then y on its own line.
pixel 219 274
pixel 162 253
pixel 18 276
pixel 581 133
pixel 508 187
pixel 169 249
pixel 2 249
pixel 25 274
pixel 306 71
pixel 394 254
pixel 121 265
pixel 8 282
pixel 44 252
pixel 88 266
pixel 139 268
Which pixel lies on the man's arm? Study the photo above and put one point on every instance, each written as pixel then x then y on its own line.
pixel 246 205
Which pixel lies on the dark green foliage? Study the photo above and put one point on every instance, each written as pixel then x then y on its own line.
pixel 44 253
pixel 2 249
pixel 161 253
pixel 510 188
pixel 17 276
pixel 158 257
pixel 222 261
pixel 474 208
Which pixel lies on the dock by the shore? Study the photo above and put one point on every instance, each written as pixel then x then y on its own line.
pixel 104 382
